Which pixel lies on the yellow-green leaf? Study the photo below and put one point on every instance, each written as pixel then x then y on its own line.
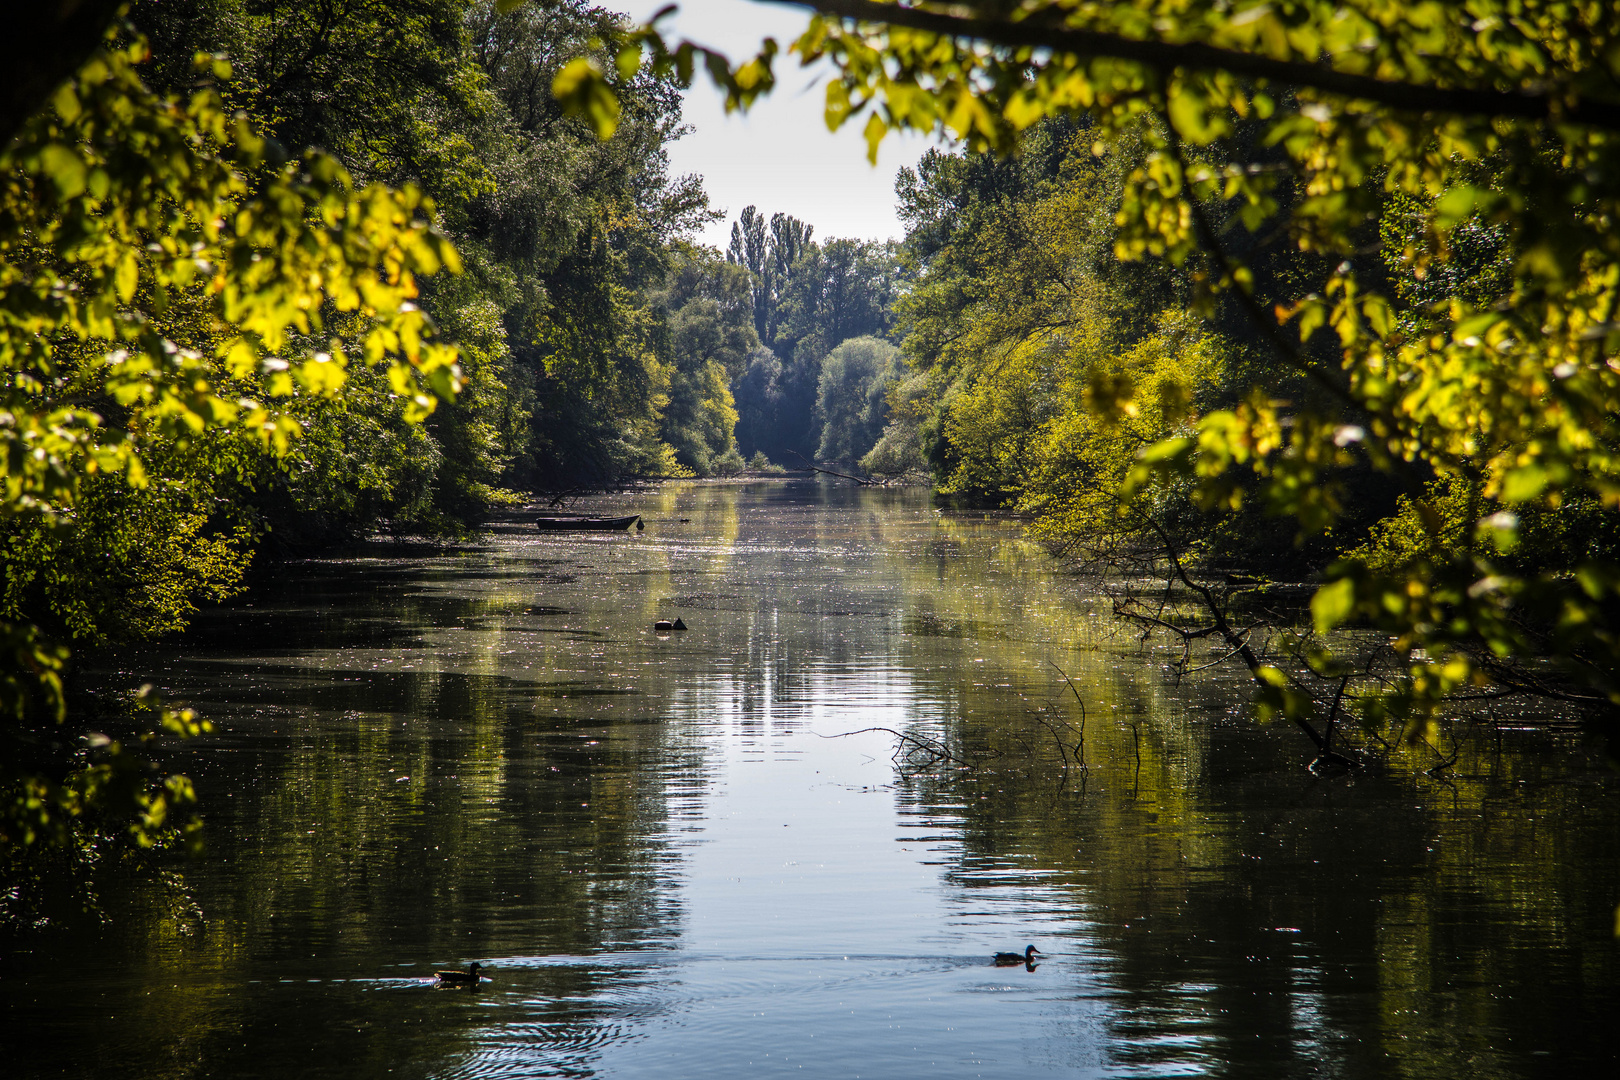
pixel 1522 484
pixel 582 90
pixel 1332 604
pixel 128 276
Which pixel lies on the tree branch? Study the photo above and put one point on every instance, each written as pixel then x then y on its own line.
pixel 1557 105
pixel 863 481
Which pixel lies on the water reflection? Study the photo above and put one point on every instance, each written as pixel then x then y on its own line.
pixel 693 854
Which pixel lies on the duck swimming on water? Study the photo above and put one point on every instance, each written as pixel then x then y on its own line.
pixel 1027 958
pixel 458 980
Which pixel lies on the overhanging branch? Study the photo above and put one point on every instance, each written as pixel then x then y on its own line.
pixel 1167 55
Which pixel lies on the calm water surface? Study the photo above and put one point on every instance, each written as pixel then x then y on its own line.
pixel 674 860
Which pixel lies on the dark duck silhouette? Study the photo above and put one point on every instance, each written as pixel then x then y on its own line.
pixel 1027 958
pixel 458 980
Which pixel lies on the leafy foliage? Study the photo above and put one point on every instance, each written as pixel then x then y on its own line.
pixel 565 237
pixel 710 320
pixel 1480 350
pixel 808 298
pixel 173 295
pixel 581 237
pixel 851 398
pixel 102 245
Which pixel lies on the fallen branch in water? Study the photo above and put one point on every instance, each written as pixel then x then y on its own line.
pixel 1080 748
pixel 910 746
pixel 863 481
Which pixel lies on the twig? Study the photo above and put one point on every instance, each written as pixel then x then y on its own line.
pixel 1221 660
pixel 936 752
pixel 1329 758
pixel 1446 762
pixel 863 481
pixel 1080 748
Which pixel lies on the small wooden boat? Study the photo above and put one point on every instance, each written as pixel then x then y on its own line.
pixel 590 523
pixel 458 980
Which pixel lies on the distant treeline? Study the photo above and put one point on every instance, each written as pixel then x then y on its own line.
pixel 597 342
pixel 809 390
pixel 276 276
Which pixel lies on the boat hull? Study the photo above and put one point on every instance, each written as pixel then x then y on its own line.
pixel 618 524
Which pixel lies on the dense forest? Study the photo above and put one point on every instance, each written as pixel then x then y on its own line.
pixel 552 325
pixel 282 274
pixel 1044 372
pixel 809 299
pixel 1213 592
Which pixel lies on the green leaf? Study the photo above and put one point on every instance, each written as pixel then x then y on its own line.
pixel 629 61
pixel 1595 580
pixel 1168 450
pixel 1463 202
pixel 1333 604
pixel 1271 676
pixel 1190 113
pixel 67 104
pixel 1522 484
pixel 65 168
pixel 875 130
pixel 582 90
pixel 127 277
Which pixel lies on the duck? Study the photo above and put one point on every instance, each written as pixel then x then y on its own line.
pixel 1027 958
pixel 457 980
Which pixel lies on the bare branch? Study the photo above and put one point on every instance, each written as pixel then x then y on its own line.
pixel 1558 103
pixel 909 744
pixel 1080 748
pixel 863 481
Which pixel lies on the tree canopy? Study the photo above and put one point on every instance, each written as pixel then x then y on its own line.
pixel 172 292
pixel 1444 176
pixel 234 246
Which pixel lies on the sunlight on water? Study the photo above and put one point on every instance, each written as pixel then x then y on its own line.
pixel 697 854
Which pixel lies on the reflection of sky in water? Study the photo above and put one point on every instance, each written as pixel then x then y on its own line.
pixel 673 867
pixel 815 933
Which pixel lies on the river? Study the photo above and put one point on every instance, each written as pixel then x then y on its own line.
pixel 697 854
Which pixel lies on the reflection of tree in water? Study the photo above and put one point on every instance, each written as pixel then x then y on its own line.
pixel 368 824
pixel 1241 913
pixel 470 757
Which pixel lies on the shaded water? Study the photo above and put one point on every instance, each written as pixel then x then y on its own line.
pixel 669 868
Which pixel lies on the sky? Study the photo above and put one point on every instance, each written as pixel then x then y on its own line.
pixel 780 156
